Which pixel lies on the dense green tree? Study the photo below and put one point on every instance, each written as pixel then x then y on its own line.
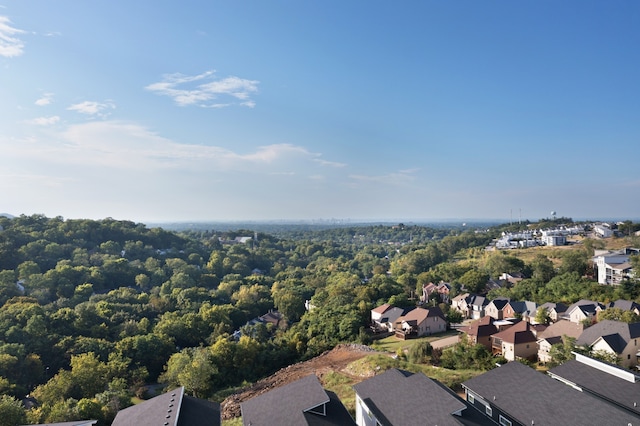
pixel 12 412
pixel 617 314
pixel 542 268
pixel 561 352
pixel 191 368
pixel 474 281
pixel 574 261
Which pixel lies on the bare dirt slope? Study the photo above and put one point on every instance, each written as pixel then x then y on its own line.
pixel 334 360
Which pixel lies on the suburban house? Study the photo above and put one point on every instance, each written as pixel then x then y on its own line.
pixel 583 310
pixel 555 310
pixel 477 305
pixel 384 317
pixel 495 308
pixel 554 334
pixel 480 331
pixel 625 305
pixel 442 290
pixel 544 347
pixel 612 266
pixel 470 305
pixel 421 322
pixel 460 303
pixel 171 408
pixel 398 397
pixel 427 291
pixel 512 278
pixel 303 402
pixel 517 341
pixel 516 309
pixel 607 382
pixel 614 337
pixel 515 394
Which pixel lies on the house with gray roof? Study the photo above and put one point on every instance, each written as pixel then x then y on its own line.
pixel 515 394
pixel 300 403
pixel 608 382
pixel 384 317
pixel 556 333
pixel 495 308
pixel 625 305
pixel 173 408
pixel 582 310
pixel 555 310
pixel 615 337
pixel 398 397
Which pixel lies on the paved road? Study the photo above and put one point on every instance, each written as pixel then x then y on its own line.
pixel 445 342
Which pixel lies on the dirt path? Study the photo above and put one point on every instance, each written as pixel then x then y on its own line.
pixel 334 360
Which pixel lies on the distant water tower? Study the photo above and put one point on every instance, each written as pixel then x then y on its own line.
pixel 553 215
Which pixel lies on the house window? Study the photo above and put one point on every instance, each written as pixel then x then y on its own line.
pixel 629 356
pixel 504 422
pixel 527 346
pixel 488 410
pixel 470 398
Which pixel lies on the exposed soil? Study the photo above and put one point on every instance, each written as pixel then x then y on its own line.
pixel 334 360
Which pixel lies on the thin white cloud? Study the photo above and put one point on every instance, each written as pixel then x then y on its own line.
pixel 203 88
pixel 401 177
pixel 124 145
pixel 329 163
pixel 44 121
pixel 46 99
pixel 92 108
pixel 10 45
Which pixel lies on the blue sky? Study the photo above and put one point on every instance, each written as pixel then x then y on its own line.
pixel 291 110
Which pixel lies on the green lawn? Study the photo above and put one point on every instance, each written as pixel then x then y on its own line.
pixel 392 343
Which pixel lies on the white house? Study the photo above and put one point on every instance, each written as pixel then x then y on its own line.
pixel 612 266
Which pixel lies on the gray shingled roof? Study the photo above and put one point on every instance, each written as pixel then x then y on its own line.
pixel 531 397
pixel 173 408
pixel 601 384
pixel 292 404
pixel 401 398
pixel 609 328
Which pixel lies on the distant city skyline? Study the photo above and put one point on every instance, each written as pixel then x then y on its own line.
pixel 298 111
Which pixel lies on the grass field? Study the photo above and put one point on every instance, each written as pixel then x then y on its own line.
pixel 392 343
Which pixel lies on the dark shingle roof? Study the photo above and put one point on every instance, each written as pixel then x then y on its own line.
pixel 531 397
pixel 173 407
pixel 609 328
pixel 398 397
pixel 500 303
pixel 293 404
pixel 607 386
pixel 196 411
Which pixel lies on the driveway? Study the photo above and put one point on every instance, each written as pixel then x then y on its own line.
pixel 445 342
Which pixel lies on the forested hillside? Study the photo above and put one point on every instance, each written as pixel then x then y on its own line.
pixel 93 311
